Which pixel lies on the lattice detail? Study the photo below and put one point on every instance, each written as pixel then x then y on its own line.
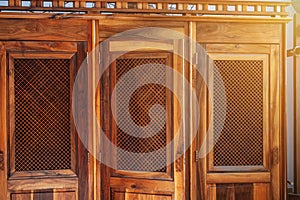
pixel 42 114
pixel 169 7
pixel 140 103
pixel 241 140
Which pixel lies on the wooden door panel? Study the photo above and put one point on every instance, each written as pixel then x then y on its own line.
pixel 56 195
pixel 137 196
pixel 243 162
pixel 138 175
pixel 256 191
pixel 42 139
pixel 243 142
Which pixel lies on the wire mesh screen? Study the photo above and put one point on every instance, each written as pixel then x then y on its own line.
pixel 140 103
pixel 42 114
pixel 241 140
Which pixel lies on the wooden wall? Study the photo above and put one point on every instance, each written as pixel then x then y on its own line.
pixel 218 36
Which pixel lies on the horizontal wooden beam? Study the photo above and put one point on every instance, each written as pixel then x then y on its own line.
pixel 263 177
pixel 169 7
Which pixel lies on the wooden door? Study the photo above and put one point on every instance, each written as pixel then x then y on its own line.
pixel 134 173
pixel 43 157
pixel 243 104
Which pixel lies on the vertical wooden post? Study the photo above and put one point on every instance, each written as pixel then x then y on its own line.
pixel 94 101
pixel 297 106
pixel 3 132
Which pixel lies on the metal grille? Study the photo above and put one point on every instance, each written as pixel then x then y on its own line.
pixel 42 114
pixel 241 139
pixel 140 103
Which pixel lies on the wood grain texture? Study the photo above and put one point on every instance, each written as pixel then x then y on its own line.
pixel 3 122
pixel 66 30
pixel 83 155
pixel 225 192
pixel 45 195
pixel 275 119
pixel 41 46
pixel 110 27
pixel 143 185
pixel 64 183
pixel 42 184
pixel 238 33
pixel 234 192
pixel 283 113
pixel 238 177
pixel 261 191
pixel 138 196
pixel 266 185
pixel 26 196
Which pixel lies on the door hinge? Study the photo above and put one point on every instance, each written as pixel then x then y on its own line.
pixel 275 156
pixel 196 156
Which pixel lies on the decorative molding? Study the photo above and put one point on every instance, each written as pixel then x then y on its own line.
pixel 153 7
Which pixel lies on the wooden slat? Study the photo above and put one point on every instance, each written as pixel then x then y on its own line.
pixel 43 184
pixel 239 48
pixel 238 177
pixel 33 3
pixel 18 3
pixel 283 110
pixel 127 46
pixel 130 196
pixel 143 185
pixel 83 155
pixel 66 30
pixel 11 2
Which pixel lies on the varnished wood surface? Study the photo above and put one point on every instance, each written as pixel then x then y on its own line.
pixel 59 184
pixel 240 36
pixel 47 195
pixel 275 120
pixel 110 26
pixel 261 191
pixel 41 46
pixel 238 33
pixel 3 123
pixel 234 192
pixel 44 30
pixel 266 184
pixel 42 184
pixel 238 177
